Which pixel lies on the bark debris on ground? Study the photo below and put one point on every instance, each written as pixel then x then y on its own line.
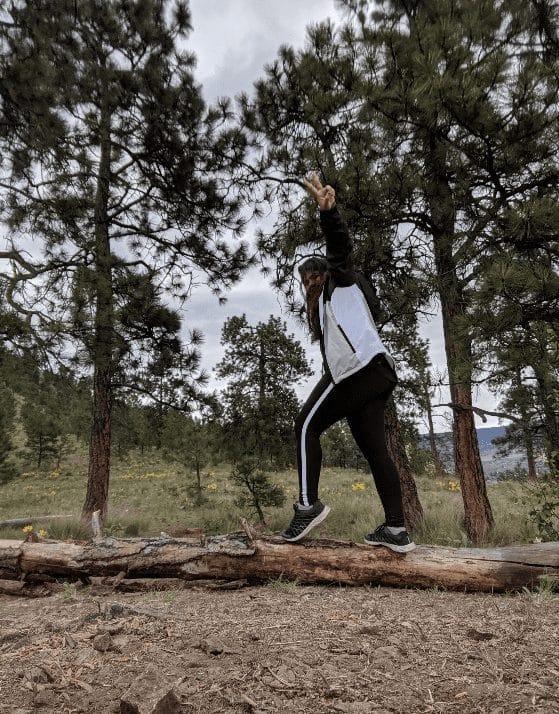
pixel 281 648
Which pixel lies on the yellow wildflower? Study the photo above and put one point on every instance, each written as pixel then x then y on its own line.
pixel 212 487
pixel 27 529
pixel 43 533
pixel 358 486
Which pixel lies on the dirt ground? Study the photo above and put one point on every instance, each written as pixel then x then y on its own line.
pixel 281 648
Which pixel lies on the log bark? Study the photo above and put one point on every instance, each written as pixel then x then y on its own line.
pixel 237 556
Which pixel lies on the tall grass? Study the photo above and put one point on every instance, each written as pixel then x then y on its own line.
pixel 149 495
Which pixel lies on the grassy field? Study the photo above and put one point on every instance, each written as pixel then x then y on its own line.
pixel 148 495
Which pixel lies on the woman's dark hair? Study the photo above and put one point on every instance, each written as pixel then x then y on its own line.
pixel 314 264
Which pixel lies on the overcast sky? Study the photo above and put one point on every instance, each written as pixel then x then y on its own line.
pixel 233 40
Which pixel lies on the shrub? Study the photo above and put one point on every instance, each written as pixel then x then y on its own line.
pixel 256 489
pixel 516 474
pixel 546 510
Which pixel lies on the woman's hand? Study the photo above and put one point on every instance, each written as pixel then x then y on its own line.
pixel 325 196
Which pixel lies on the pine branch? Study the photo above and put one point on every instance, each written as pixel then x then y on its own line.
pixel 482 413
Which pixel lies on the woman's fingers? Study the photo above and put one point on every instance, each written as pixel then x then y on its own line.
pixel 310 188
pixel 316 182
pixel 323 195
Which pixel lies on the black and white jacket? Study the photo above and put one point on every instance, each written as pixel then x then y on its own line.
pixel 350 338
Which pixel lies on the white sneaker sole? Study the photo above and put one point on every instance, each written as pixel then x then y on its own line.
pixel 396 548
pixel 321 516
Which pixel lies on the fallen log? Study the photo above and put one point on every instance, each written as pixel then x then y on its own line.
pixel 243 555
pixel 15 522
pixel 32 590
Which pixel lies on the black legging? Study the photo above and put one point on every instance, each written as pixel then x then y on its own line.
pixel 361 399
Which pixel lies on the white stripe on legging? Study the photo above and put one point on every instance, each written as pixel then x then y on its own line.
pixel 304 494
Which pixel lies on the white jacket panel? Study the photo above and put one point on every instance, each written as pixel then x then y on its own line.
pixel 350 335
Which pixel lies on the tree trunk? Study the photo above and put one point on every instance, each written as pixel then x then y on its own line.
pixel 477 510
pixel 102 352
pixel 413 511
pixel 261 393
pixel 527 436
pixel 478 518
pixel 238 556
pixel 198 477
pixel 529 443
pixel 546 389
pixel 97 493
pixel 40 458
pixel 440 472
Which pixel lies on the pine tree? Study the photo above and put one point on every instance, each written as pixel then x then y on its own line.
pixel 188 440
pixel 340 450
pixel 432 120
pixel 262 364
pixel 7 413
pixel 470 120
pixel 306 113
pixel 256 489
pixel 115 166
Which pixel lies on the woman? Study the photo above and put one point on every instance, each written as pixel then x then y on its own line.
pixel 358 379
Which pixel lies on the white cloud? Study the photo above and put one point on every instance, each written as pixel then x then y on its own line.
pixel 234 39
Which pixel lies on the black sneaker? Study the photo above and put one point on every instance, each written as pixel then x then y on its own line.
pixel 401 542
pixel 304 521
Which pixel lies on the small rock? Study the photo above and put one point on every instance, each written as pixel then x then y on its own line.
pixel 69 641
pixel 44 698
pixel 40 675
pixel 9 635
pixel 479 636
pixel 214 647
pixel 387 651
pixel 112 629
pixel 150 693
pixel 103 642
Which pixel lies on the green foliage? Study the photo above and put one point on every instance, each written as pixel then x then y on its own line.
pixel 257 490
pixel 545 510
pixel 68 530
pixel 190 442
pixel 7 413
pixel 516 474
pixel 420 460
pixel 132 427
pixel 262 364
pixel 440 140
pixel 283 583
pixel 339 449
pixel 43 427
pixel 110 159
pixel 148 496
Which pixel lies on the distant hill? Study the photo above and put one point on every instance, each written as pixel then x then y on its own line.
pixel 486 434
pixel 492 463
